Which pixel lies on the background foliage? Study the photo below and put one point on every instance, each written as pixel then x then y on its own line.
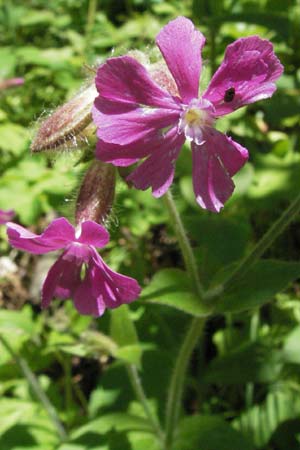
pixel 243 384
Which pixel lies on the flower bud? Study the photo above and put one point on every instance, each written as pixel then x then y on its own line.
pixel 162 76
pixel 96 194
pixel 159 71
pixel 66 123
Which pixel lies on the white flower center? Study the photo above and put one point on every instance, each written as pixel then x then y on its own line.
pixel 196 116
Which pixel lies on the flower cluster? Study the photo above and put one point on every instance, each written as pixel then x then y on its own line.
pixel 144 115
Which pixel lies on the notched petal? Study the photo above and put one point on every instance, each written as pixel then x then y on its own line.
pixel 248 72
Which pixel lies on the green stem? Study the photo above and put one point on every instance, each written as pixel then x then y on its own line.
pixel 35 385
pixel 184 243
pixel 193 333
pixel 212 59
pixel 90 21
pixel 178 377
pixel 266 241
pixel 65 363
pixel 254 325
pixel 141 397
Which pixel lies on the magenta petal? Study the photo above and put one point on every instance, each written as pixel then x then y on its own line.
pixel 50 283
pixel 181 44
pixel 124 79
pixel 158 169
pixel 132 126
pixel 231 154
pixel 6 216
pixel 118 288
pixel 211 181
pixel 125 155
pixel 88 298
pixel 250 67
pixel 57 235
pixel 214 163
pixel 93 234
pixel 61 281
pixel 103 288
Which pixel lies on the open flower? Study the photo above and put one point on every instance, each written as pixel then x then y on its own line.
pixel 79 273
pixel 138 117
pixel 6 216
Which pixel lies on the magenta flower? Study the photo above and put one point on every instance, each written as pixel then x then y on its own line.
pixel 79 273
pixel 6 216
pixel 137 118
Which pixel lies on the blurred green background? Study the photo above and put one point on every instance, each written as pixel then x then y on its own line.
pixel 245 375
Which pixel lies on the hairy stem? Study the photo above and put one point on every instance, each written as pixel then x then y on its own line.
pixel 35 385
pixel 178 377
pixel 184 243
pixel 90 21
pixel 141 397
pixel 194 332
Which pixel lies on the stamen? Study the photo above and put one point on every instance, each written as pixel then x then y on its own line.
pixel 197 115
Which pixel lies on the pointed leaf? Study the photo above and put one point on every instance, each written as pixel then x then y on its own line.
pixel 172 287
pixel 251 362
pixel 114 421
pixel 209 433
pixel 259 285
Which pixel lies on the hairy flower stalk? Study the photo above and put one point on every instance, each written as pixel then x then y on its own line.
pixel 96 194
pixel 66 123
pixel 145 115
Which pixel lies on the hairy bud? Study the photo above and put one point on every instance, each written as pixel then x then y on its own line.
pixel 159 71
pixel 162 76
pixel 96 194
pixel 66 123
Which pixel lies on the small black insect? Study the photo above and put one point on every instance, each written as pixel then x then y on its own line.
pixel 229 95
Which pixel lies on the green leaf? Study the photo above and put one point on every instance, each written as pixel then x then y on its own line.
pixel 251 362
pixel 261 421
pixel 221 241
pixel 115 421
pixel 259 285
pixel 291 349
pixel 209 433
pixel 13 138
pixel 122 329
pixel 172 287
pixel 129 353
pixel 37 17
pixel 123 332
pixel 25 425
pixel 8 62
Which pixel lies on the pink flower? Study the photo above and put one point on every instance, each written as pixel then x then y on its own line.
pixel 79 273
pixel 137 118
pixel 6 216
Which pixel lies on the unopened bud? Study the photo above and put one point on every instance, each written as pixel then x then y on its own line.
pixel 66 123
pixel 96 194
pixel 159 71
pixel 162 76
